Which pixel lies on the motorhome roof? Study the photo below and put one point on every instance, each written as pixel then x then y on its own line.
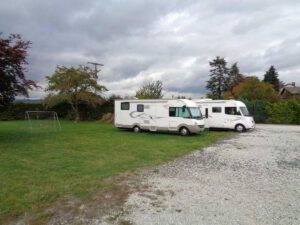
pixel 214 101
pixel 227 102
pixel 143 100
pixel 185 101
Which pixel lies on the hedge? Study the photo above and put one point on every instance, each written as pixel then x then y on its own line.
pixel 16 111
pixel 286 112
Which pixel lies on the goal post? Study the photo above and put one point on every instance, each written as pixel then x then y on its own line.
pixel 40 120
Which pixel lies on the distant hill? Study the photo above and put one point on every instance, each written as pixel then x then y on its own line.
pixel 29 100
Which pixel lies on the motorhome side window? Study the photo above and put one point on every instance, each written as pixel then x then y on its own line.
pixel 140 108
pixel 232 111
pixel 216 109
pixel 124 105
pixel 172 111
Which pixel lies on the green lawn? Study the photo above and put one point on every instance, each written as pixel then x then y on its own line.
pixel 40 167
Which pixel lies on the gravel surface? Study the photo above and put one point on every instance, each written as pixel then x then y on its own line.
pixel 253 178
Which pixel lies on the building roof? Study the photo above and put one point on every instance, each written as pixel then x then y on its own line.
pixel 292 90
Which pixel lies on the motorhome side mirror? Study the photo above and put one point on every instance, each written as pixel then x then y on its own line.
pixel 183 108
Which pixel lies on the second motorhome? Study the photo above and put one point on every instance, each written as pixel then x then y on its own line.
pixel 226 114
pixel 178 115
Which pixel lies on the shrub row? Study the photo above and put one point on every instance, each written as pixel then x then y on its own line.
pixel 281 112
pixel 286 112
pixel 16 111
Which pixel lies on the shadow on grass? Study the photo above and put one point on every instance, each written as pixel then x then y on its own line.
pixel 172 133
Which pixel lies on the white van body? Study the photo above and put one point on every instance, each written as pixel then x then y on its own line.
pixel 227 114
pixel 159 115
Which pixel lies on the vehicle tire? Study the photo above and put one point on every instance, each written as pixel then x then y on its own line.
pixel 184 131
pixel 136 129
pixel 240 128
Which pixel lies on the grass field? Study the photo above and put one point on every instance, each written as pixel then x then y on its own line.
pixel 40 167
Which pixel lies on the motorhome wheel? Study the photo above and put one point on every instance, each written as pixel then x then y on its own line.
pixel 184 131
pixel 136 129
pixel 239 128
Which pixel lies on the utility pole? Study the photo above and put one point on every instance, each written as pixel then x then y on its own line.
pixel 96 70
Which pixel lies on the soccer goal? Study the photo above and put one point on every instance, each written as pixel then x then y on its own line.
pixel 42 120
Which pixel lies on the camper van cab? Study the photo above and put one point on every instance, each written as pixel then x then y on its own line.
pixel 178 115
pixel 227 114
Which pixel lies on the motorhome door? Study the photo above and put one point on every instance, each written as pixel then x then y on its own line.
pixel 232 114
pixel 148 120
pixel 206 116
pixel 217 119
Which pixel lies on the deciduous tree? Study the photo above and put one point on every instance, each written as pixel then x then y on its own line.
pixel 251 88
pixel 74 86
pixel 152 90
pixel 13 82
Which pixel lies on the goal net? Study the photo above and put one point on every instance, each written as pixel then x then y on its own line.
pixel 42 120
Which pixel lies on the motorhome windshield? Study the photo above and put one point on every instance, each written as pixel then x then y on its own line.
pixel 195 113
pixel 185 112
pixel 245 111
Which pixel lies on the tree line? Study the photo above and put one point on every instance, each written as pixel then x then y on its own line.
pixel 226 83
pixel 260 96
pixel 76 90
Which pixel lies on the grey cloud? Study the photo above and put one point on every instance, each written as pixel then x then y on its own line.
pixel 290 48
pixel 172 41
pixel 125 67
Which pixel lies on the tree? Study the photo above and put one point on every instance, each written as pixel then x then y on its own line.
pixel 218 77
pixel 251 88
pixel 234 77
pixel 13 82
pixel 152 90
pixel 271 77
pixel 74 86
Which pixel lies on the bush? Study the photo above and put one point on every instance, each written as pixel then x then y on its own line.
pixel 286 112
pixel 16 110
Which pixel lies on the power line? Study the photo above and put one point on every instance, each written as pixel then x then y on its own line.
pixel 96 70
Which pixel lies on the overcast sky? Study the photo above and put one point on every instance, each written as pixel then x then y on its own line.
pixel 173 41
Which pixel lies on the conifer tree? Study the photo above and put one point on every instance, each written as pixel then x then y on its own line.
pixel 218 77
pixel 234 77
pixel 271 77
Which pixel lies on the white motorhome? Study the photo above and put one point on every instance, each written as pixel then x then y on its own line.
pixel 178 115
pixel 227 114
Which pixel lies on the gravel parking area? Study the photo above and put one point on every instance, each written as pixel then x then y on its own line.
pixel 253 178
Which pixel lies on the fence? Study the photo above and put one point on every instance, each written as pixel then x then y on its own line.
pixel 258 110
